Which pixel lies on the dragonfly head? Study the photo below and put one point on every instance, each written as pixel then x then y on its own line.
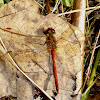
pixel 49 31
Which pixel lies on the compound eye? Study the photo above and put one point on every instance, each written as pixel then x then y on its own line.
pixel 49 31
pixel 53 31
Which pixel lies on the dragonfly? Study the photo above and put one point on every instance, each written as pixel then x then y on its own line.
pixel 39 52
pixel 51 47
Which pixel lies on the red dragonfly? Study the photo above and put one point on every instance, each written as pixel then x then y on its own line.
pixel 63 54
pixel 51 47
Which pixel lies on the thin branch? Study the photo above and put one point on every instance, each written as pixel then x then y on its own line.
pixel 79 10
pixel 48 6
pixel 39 4
pixel 98 46
pixel 56 5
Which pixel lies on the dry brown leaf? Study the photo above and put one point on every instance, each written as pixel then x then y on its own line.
pixel 21 29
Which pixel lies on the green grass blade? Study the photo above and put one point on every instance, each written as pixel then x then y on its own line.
pixel 7 1
pixel 1 3
pixel 68 3
pixel 89 29
pixel 85 94
pixel 93 74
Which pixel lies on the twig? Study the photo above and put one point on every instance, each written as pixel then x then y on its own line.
pixel 48 6
pixel 39 4
pixel 56 5
pixel 79 10
pixel 87 16
pixel 13 62
pixel 98 46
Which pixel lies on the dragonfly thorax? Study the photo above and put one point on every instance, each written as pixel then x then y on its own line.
pixel 50 39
